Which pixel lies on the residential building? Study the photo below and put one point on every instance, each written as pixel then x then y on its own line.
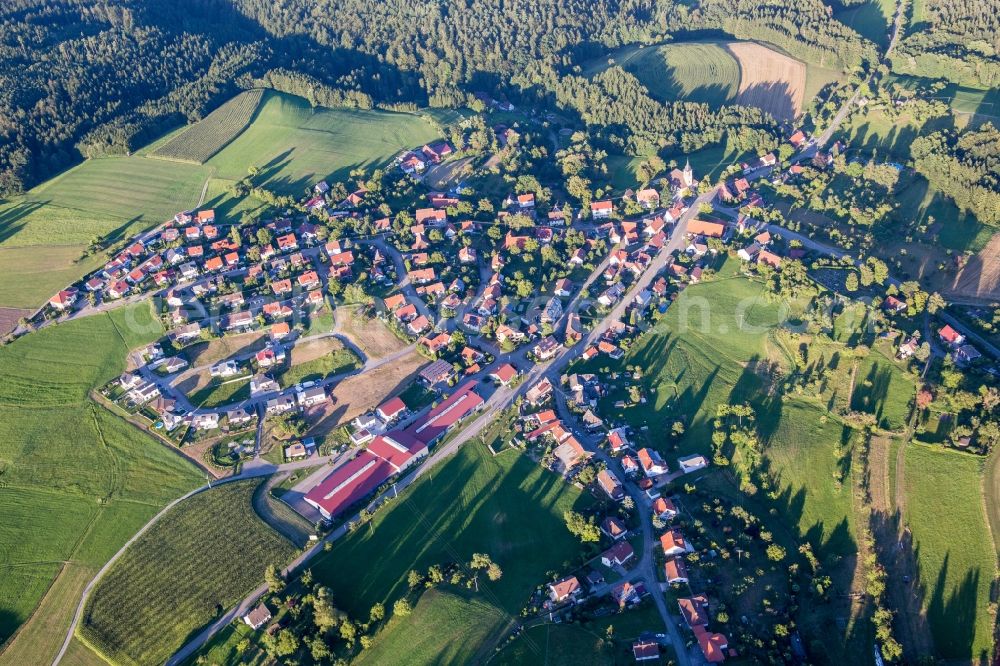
pixel 565 588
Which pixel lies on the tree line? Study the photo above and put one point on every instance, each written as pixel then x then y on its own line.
pixel 107 76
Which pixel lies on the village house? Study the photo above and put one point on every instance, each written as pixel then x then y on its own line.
pixel 673 543
pixel 624 593
pixel 391 410
pixel 538 393
pixel 610 484
pixel 652 464
pixel 692 463
pixel 664 508
pixel 648 198
pixel 601 210
pixel 280 404
pixel 64 299
pixel 311 396
pixel 646 649
pixel 258 617
pixel 209 421
pixel 262 384
pixel 613 528
pixel 565 588
pixel 437 372
pixel 505 374
pixel 950 336
pixel 617 555
pixel 675 571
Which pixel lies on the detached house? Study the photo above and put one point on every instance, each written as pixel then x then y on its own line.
pixel 673 543
pixel 648 198
pixel 566 588
pixel 601 210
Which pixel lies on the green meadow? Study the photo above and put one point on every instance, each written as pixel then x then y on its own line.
pixel 693 71
pixel 78 481
pixel 296 145
pixel 473 502
pixel 955 558
pixel 447 626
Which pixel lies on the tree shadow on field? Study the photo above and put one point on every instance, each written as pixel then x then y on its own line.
pixel 871 394
pixel 9 623
pixel 11 218
pixel 774 97
pixel 953 620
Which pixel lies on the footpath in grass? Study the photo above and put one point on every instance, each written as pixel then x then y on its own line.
pixel 205 554
pixel 473 502
pixel 78 481
pixel 956 559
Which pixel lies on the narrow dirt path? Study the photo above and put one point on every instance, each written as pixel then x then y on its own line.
pixel 277 515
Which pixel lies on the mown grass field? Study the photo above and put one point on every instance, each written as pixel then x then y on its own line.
pixel 702 353
pixel 211 134
pixel 472 503
pixel 206 553
pixel 296 145
pixel 221 393
pixel 41 248
pixel 955 556
pixel 77 480
pixel 44 233
pixel 317 369
pixel 126 188
pixel 695 71
pixel 448 626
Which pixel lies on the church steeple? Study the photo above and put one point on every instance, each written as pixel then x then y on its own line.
pixel 688 173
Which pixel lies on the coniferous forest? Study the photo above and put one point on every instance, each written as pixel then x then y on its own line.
pixel 83 78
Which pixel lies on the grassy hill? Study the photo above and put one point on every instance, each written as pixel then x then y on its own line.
pixel 296 145
pixel 43 234
pixel 206 553
pixel 504 506
pixel 77 480
pixel 955 558
pixel 697 72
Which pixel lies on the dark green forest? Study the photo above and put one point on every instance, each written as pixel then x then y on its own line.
pixel 965 166
pixel 83 78
pixel 957 40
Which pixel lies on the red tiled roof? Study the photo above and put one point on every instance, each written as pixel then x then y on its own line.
pixel 349 483
pixel 392 406
pixel 450 411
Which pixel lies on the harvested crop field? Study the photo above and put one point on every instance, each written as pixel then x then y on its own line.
pixel 769 80
pixel 980 277
pixel 360 393
pixel 9 318
pixel 213 132
pixel 715 73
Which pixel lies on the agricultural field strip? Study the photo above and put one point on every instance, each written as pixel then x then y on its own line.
pixel 199 142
